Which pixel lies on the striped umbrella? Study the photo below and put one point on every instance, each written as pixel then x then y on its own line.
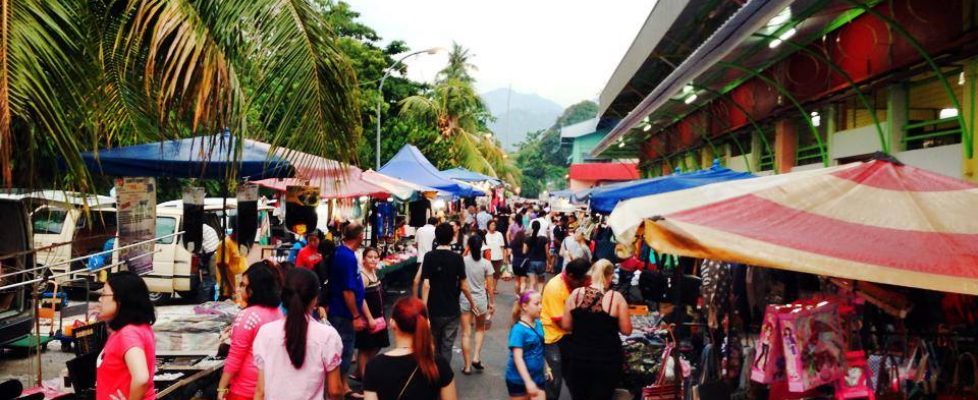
pixel 878 221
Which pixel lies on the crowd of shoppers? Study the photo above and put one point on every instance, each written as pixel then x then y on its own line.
pixel 564 331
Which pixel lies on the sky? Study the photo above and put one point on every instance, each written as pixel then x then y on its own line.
pixel 564 51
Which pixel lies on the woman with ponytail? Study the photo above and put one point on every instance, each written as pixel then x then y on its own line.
pixel 297 356
pixel 535 249
pixel 412 370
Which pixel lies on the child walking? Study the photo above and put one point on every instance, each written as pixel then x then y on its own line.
pixel 527 372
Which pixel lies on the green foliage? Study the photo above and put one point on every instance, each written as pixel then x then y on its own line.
pixel 370 60
pixel 455 112
pixel 83 75
pixel 541 159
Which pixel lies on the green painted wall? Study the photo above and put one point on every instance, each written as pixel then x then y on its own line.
pixel 583 145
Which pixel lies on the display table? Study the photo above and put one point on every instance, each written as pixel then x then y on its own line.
pixel 388 269
pixel 182 377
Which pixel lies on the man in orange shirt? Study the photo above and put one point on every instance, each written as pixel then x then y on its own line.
pixel 309 256
pixel 556 340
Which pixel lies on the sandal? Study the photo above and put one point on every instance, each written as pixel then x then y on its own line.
pixel 478 366
pixel 466 372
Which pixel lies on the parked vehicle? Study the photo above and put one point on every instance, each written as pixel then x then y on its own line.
pixel 15 237
pixel 175 269
pixel 67 226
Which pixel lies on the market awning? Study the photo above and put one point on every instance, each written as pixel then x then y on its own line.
pixel 401 189
pixel 334 179
pixel 412 166
pixel 465 175
pixel 604 199
pixel 877 221
pixel 206 157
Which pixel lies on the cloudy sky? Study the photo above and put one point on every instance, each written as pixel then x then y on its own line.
pixel 562 50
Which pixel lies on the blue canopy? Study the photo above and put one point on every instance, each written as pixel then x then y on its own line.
pixel 604 199
pixel 465 175
pixel 412 166
pixel 201 157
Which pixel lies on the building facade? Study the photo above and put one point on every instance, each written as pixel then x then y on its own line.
pixel 784 86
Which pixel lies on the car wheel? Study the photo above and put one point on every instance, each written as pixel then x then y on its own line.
pixel 157 297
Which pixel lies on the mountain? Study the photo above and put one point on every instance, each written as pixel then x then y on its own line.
pixel 525 113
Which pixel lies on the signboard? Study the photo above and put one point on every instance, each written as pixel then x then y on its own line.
pixel 247 220
pixel 300 208
pixel 136 211
pixel 193 217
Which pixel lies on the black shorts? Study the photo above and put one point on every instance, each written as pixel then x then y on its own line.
pixel 519 267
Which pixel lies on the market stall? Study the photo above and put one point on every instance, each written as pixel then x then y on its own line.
pixel 854 281
pixel 604 199
pixel 412 166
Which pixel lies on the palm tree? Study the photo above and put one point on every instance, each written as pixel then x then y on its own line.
pixel 453 109
pixel 458 65
pixel 78 75
pixel 456 112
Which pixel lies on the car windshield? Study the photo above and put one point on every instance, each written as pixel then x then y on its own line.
pixel 165 226
pixel 48 220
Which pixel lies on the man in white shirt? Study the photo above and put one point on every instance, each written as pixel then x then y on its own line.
pixel 545 226
pixel 424 238
pixel 205 269
pixel 483 218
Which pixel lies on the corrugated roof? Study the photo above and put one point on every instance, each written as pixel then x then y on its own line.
pixel 579 129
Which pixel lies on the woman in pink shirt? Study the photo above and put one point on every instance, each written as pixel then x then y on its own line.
pixel 260 290
pixel 297 356
pixel 125 368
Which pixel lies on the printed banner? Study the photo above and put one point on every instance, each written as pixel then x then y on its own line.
pixel 136 211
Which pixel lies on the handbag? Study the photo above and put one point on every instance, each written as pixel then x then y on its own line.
pixel 855 384
pixel 379 325
pixel 661 389
pixel 888 380
pixel 711 386
pixel 957 390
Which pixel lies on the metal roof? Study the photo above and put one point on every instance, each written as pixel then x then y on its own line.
pixel 669 35
pixel 579 129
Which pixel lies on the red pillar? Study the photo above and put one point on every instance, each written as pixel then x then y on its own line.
pixel 785 145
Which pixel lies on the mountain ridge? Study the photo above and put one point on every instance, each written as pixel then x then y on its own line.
pixel 517 114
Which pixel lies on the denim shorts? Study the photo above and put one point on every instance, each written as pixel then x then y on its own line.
pixel 536 267
pixel 344 326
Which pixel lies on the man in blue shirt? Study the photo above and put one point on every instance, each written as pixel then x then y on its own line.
pixel 346 294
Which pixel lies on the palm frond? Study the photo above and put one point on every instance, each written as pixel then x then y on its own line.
pixel 37 80
pixel 308 94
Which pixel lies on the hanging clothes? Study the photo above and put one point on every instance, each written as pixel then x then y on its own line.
pixel 385 218
pixel 418 212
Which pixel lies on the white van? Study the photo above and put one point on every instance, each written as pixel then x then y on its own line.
pixel 175 267
pixel 63 230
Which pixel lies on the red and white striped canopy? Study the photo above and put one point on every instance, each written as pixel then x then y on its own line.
pixel 334 179
pixel 876 221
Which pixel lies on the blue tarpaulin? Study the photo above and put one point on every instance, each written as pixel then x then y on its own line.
pixel 412 166
pixel 465 175
pixel 604 199
pixel 204 157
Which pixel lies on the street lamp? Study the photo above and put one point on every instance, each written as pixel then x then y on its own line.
pixel 380 89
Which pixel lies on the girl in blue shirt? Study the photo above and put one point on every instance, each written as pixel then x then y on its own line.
pixel 527 371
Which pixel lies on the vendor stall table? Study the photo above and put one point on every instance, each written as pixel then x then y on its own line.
pixel 199 376
pixel 388 269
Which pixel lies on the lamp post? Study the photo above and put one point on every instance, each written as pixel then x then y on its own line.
pixel 380 89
